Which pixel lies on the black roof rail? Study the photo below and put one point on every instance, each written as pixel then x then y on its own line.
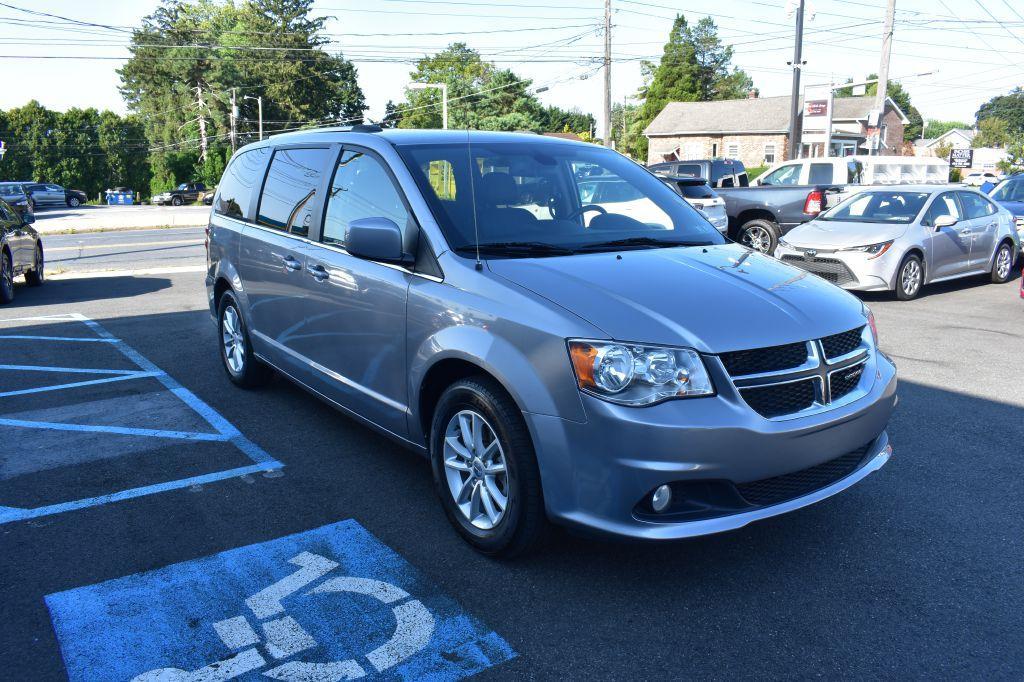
pixel 365 128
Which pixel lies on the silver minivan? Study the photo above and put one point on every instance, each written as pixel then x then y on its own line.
pixel 557 359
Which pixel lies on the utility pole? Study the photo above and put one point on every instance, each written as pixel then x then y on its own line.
pixel 607 73
pixel 794 105
pixel 259 105
pixel 202 122
pixel 234 121
pixel 883 69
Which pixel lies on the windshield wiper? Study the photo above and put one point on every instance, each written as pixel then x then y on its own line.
pixel 516 248
pixel 640 241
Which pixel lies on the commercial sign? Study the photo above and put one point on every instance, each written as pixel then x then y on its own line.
pixel 817 115
pixel 961 158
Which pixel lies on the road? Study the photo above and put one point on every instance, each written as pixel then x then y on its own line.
pixel 93 218
pixel 124 250
pixel 916 572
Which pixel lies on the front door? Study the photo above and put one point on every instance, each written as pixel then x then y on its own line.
pixel 272 258
pixel 355 333
pixel 18 238
pixel 984 217
pixel 949 247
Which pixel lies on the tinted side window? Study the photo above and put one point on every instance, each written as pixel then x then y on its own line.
pixel 361 188
pixel 690 170
pixel 944 204
pixel 975 205
pixel 7 214
pixel 289 193
pixel 821 174
pixel 241 179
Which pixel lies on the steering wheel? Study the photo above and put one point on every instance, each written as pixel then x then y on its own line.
pixel 583 209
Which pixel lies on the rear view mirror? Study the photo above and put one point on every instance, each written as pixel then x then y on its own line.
pixel 375 239
pixel 944 221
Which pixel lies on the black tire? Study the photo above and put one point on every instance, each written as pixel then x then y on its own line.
pixel 524 523
pixel 1005 250
pixel 760 234
pixel 904 288
pixel 6 277
pixel 176 201
pixel 74 202
pixel 36 277
pixel 251 372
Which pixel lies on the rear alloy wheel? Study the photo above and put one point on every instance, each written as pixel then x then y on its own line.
pixel 1002 264
pixel 485 469
pixel 37 275
pixel 760 235
pixel 909 278
pixel 74 202
pixel 242 366
pixel 6 278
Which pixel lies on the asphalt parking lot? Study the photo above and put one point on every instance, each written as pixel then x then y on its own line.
pixel 145 476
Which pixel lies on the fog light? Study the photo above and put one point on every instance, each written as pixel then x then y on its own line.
pixel 661 498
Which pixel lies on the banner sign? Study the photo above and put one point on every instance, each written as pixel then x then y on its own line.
pixel 817 114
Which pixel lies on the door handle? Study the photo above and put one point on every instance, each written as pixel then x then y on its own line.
pixel 291 264
pixel 318 272
pixel 965 231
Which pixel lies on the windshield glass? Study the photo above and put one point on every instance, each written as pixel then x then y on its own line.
pixel 1009 190
pixel 879 207
pixel 9 188
pixel 550 198
pixel 183 185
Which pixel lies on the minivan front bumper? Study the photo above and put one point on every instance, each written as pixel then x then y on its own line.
pixel 598 474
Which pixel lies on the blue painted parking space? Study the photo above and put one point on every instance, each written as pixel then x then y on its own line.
pixel 332 603
pixel 75 398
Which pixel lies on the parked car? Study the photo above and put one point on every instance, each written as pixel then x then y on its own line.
pixel 902 238
pixel 45 194
pixel 979 178
pixel 759 216
pixel 14 195
pixel 698 194
pixel 718 172
pixel 1010 195
pixel 21 251
pixel 642 380
pixel 185 193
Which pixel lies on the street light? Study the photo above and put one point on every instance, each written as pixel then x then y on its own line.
pixel 259 104
pixel 444 98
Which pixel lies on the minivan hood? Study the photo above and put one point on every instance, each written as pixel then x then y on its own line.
pixel 713 299
pixel 838 234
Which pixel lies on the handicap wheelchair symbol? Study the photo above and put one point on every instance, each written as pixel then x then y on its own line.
pixel 284 637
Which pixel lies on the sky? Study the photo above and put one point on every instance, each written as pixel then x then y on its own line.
pixel 951 55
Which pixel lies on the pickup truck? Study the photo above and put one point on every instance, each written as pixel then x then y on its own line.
pixel 185 193
pixel 758 216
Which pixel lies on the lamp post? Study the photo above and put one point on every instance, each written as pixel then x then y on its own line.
pixel 444 98
pixel 259 105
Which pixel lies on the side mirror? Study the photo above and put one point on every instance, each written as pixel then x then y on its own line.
pixel 375 239
pixel 28 218
pixel 944 221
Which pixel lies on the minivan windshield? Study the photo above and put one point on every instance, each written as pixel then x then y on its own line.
pixel 547 198
pixel 1011 189
pixel 879 207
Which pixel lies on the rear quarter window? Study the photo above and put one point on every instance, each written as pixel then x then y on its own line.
pixel 820 174
pixel 696 191
pixel 240 182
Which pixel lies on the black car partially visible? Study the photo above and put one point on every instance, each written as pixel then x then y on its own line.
pixel 14 194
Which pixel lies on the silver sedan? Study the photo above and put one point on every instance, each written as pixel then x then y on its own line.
pixel 902 238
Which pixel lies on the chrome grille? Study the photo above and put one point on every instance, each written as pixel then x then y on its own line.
pixel 829 269
pixel 792 379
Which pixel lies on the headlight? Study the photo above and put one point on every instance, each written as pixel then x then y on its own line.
pixel 875 250
pixel 630 374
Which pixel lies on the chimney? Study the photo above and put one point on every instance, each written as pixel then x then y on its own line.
pixel 753 93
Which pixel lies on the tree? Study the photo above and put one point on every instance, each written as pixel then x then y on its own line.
pixel 1008 107
pixel 939 128
pixel 622 116
pixel 392 115
pixel 694 67
pixel 1014 161
pixel 992 132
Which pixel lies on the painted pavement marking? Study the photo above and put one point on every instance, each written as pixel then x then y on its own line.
pixel 324 605
pixel 224 430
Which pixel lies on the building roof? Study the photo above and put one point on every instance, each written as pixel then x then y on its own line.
pixel 966 134
pixel 749 115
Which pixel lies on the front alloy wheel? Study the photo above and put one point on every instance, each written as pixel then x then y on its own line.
pixel 475 470
pixel 909 279
pixel 37 275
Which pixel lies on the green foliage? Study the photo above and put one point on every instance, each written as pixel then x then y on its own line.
pixel 756 172
pixel 939 128
pixel 622 117
pixel 992 132
pixel 187 56
pixel 1014 161
pixel 694 67
pixel 1009 108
